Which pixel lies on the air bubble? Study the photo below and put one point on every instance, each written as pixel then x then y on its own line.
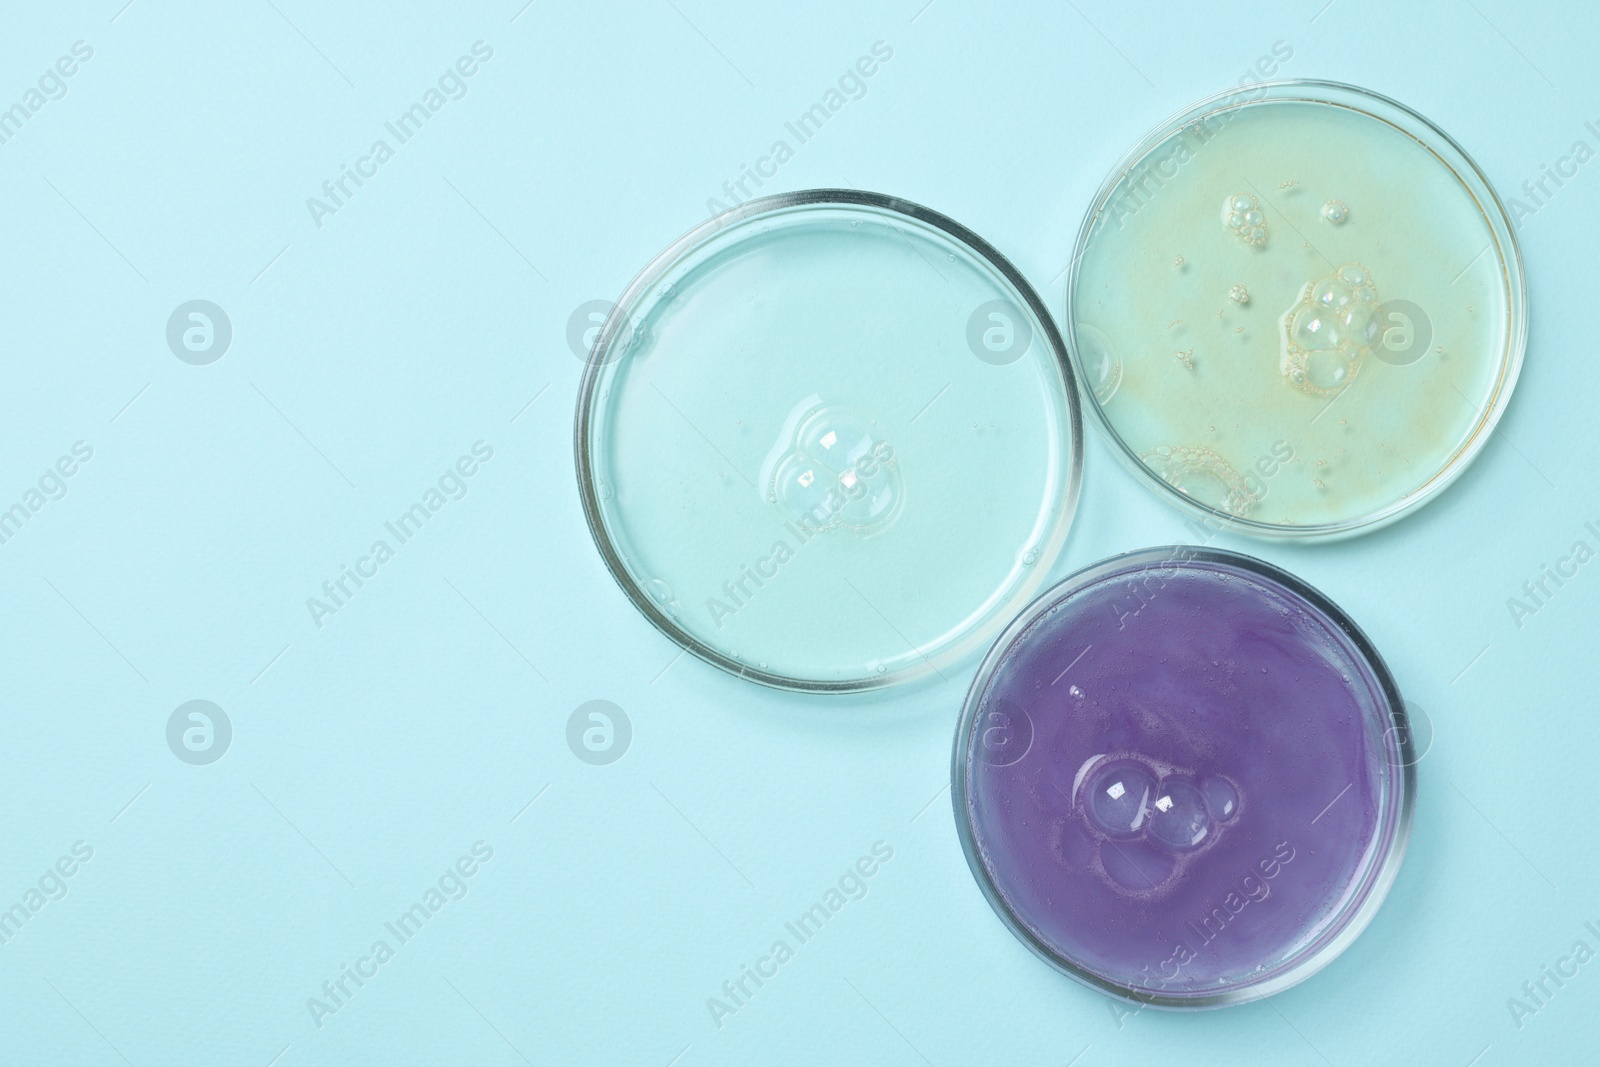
pixel 834 437
pixel 1330 294
pixel 1329 330
pixel 1178 816
pixel 1202 474
pixel 1335 211
pixel 830 473
pixel 661 593
pixel 1328 371
pixel 1075 847
pixel 1242 214
pixel 1222 799
pixel 802 488
pixel 1138 867
pixel 1239 295
pixel 1118 797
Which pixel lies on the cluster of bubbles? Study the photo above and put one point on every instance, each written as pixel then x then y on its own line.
pixel 1204 475
pixel 835 473
pixel 1241 213
pixel 1126 798
pixel 1335 323
pixel 1330 329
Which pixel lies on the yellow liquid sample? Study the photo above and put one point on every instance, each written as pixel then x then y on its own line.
pixel 1293 312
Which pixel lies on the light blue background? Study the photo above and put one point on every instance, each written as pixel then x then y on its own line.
pixel 430 313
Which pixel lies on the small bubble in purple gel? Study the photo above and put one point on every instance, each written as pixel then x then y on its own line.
pixel 1137 866
pixel 1178 816
pixel 1222 799
pixel 1117 797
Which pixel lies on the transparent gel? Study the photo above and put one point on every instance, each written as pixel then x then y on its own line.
pixel 798 464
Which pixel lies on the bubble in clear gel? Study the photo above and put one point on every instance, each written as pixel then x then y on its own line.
pixel 1242 214
pixel 836 473
pixel 1335 211
pixel 1202 474
pixel 833 436
pixel 799 488
pixel 1330 330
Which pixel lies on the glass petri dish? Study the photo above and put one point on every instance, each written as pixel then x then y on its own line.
pixel 1184 778
pixel 1298 310
pixel 829 441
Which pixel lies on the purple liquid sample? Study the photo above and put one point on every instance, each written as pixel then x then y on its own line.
pixel 1181 778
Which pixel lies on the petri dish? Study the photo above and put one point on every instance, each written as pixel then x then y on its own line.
pixel 1184 778
pixel 829 441
pixel 1298 310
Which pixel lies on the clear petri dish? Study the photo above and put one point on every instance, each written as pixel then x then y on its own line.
pixel 1184 778
pixel 1298 310
pixel 829 441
